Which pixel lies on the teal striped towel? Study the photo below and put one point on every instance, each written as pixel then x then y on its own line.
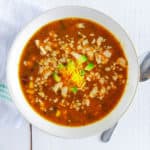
pixel 4 94
pixel 9 115
pixel 12 19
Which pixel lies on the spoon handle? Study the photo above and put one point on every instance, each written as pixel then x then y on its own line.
pixel 106 135
pixel 144 66
pixel 144 75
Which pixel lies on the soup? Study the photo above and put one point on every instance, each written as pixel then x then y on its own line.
pixel 73 72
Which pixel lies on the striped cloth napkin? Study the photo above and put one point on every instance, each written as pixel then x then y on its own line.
pixel 13 16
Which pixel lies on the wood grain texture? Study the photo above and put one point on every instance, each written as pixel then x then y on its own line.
pixel 133 131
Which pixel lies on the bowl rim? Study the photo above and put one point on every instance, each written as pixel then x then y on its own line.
pixel 43 14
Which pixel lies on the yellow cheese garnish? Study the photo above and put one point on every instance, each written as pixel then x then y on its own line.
pixel 72 71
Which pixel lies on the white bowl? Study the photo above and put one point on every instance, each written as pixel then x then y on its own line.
pixel 18 96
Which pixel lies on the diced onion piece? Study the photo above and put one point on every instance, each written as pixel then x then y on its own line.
pixel 86 102
pixel 107 53
pixel 28 63
pixel 102 91
pixel 37 43
pixel 75 55
pixel 99 41
pixel 122 62
pixel 64 91
pixel 115 77
pixel 42 50
pixel 85 42
pixel 62 60
pixel 91 34
pixel 80 25
pixel 57 86
pixel 79 47
pixel 89 67
pixel 93 92
pixel 46 74
pixel 98 58
pixel 41 94
pixel 90 55
pixel 107 69
pixel 48 48
pixel 93 41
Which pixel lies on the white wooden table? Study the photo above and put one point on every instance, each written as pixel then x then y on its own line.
pixel 133 131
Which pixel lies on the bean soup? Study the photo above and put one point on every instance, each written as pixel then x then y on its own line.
pixel 73 71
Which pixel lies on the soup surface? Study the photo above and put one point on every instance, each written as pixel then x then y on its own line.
pixel 73 71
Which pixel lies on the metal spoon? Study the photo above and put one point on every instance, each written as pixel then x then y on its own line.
pixel 144 75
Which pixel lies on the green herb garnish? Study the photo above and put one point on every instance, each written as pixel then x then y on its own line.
pixel 89 67
pixel 60 66
pixel 74 90
pixel 56 77
pixel 82 59
pixel 82 72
